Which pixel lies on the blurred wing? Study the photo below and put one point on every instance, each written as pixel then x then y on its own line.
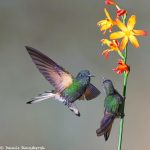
pixel 90 93
pixel 54 73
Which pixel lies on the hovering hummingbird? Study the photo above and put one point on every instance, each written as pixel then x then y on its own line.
pixel 113 104
pixel 68 89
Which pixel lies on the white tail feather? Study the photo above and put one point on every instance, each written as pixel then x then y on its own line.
pixel 42 97
pixel 50 94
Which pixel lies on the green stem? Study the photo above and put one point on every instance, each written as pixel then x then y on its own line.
pixel 121 55
pixel 124 95
pixel 122 118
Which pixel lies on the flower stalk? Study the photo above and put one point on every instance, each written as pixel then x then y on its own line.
pixel 123 106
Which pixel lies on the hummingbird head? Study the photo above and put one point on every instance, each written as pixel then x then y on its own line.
pixel 108 86
pixel 84 76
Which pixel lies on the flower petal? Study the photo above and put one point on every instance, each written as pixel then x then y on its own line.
pixel 117 35
pixel 116 42
pixel 106 52
pixel 122 67
pixel 121 62
pixel 123 43
pixel 114 45
pixel 100 23
pixel 121 25
pixel 140 32
pixel 105 27
pixel 106 41
pixel 107 14
pixel 131 22
pixel 134 41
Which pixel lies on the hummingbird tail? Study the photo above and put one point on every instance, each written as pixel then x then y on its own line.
pixel 51 94
pixel 42 97
pixel 106 125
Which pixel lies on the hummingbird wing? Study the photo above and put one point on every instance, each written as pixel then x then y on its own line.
pixel 54 73
pixel 106 125
pixel 90 93
pixel 119 97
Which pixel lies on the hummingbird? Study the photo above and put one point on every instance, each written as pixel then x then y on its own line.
pixel 67 88
pixel 113 109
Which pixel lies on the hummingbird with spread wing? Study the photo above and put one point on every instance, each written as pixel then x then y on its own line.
pixel 113 109
pixel 67 89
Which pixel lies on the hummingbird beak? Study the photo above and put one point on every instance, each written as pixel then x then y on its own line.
pixel 90 75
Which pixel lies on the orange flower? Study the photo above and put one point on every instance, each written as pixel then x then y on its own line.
pixel 121 67
pixel 127 33
pixel 113 46
pixel 107 23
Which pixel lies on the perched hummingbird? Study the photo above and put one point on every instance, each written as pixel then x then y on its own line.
pixel 67 88
pixel 113 104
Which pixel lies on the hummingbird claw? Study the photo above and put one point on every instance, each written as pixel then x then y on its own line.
pixel 66 103
pixel 122 115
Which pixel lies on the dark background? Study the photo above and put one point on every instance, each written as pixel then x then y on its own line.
pixel 66 31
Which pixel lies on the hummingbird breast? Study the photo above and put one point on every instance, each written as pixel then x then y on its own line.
pixel 74 91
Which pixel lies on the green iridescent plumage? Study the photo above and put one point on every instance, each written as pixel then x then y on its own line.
pixel 111 104
pixel 72 88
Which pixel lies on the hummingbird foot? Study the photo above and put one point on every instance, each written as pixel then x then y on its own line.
pixel 122 115
pixel 66 103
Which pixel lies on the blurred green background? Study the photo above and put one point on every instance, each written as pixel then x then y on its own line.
pixel 66 31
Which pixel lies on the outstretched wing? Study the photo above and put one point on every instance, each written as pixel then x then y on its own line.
pixel 90 93
pixel 54 73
